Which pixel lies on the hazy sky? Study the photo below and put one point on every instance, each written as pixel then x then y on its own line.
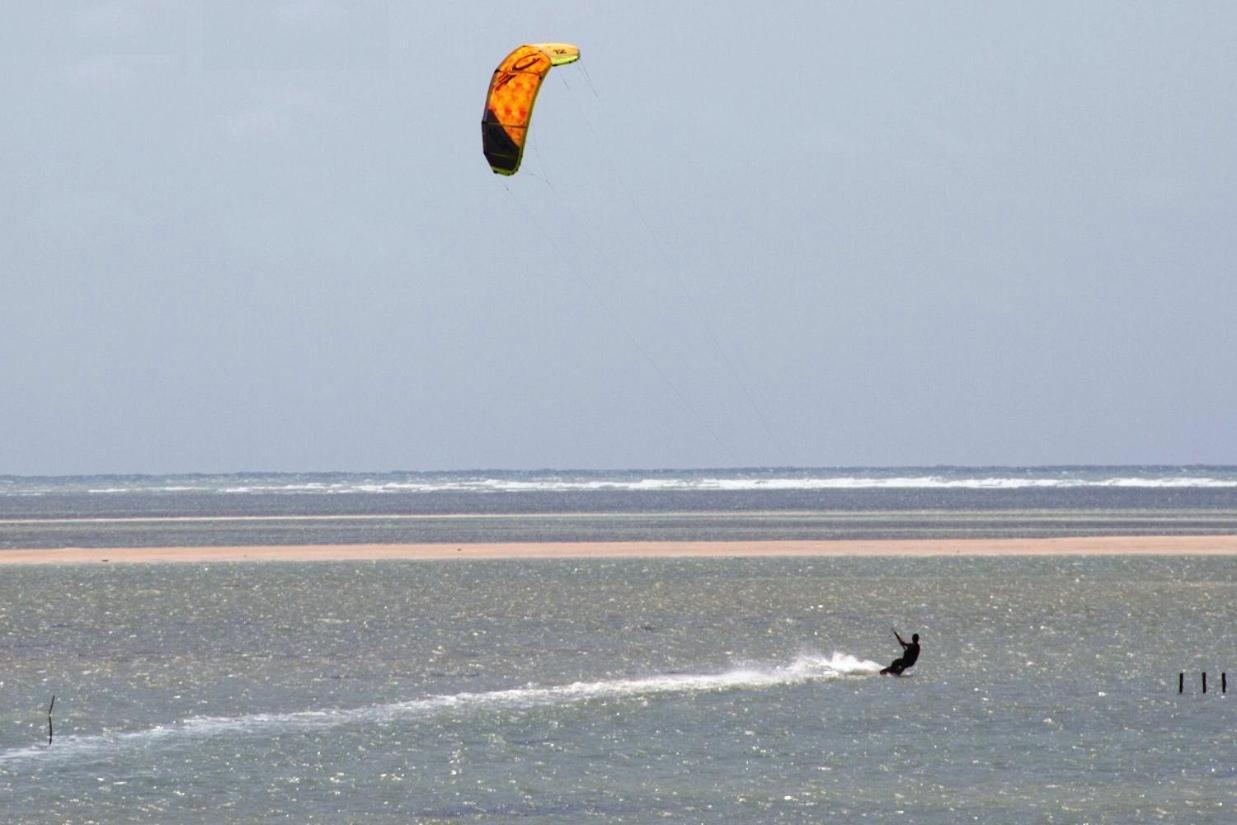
pixel 261 235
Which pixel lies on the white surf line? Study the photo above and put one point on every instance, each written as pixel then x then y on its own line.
pixel 810 482
pixel 802 669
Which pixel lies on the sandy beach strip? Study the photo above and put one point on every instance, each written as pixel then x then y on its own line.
pixel 1079 546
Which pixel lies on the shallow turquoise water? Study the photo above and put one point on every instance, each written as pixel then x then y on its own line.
pixel 619 691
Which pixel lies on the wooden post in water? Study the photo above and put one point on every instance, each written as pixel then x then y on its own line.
pixel 49 718
pixel 1180 682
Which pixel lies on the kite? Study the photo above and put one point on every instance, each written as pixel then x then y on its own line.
pixel 509 102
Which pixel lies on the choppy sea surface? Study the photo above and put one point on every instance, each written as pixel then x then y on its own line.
pixel 721 690
pixel 732 505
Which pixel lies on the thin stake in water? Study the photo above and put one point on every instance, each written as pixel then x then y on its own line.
pixel 49 718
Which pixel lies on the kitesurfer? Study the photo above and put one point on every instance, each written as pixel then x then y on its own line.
pixel 910 652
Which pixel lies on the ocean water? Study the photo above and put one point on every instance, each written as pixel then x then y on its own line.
pixel 620 691
pixel 630 691
pixel 732 505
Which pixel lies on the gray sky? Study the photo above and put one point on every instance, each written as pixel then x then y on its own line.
pixel 261 235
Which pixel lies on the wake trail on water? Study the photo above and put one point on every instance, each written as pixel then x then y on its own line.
pixel 805 668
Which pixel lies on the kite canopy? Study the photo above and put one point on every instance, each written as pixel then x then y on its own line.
pixel 509 102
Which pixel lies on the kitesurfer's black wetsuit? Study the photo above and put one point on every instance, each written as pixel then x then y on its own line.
pixel 910 652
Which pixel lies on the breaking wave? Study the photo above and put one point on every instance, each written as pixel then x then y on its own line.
pixel 953 478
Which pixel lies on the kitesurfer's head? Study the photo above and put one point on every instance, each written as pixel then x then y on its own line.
pixel 914 637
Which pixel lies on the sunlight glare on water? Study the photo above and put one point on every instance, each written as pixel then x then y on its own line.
pixel 724 690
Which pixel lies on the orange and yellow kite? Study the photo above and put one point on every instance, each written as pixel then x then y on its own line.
pixel 509 103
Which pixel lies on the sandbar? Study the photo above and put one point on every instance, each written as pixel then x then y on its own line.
pixel 1217 545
